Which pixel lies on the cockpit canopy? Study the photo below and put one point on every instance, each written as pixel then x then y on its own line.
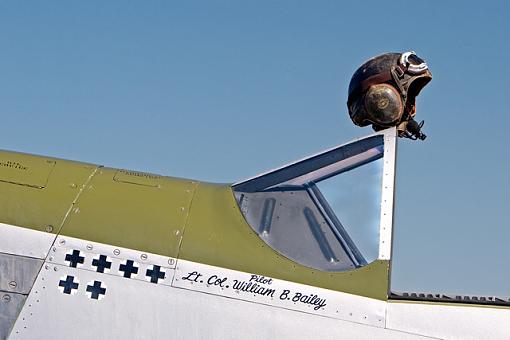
pixel 327 211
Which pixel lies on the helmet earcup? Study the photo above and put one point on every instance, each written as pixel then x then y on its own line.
pixel 383 104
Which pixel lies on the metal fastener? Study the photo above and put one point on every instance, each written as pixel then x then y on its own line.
pixel 13 284
pixel 49 228
pixel 6 298
pixel 55 269
pixel 171 262
pixel 62 242
pixel 46 267
pixel 89 247
pixel 143 257
pixel 116 252
pixel 50 258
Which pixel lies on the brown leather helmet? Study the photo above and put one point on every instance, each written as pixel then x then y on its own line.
pixel 383 90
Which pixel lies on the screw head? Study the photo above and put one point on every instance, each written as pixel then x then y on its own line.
pixel 55 269
pixel 49 228
pixel 171 262
pixel 143 257
pixel 6 298
pixel 116 252
pixel 89 247
pixel 13 284
pixel 62 242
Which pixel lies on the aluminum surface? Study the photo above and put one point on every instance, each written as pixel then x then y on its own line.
pixel 133 309
pixel 279 293
pixel 18 273
pixel 10 306
pixel 448 321
pixel 25 242
pixel 388 193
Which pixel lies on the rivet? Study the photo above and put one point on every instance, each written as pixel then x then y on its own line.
pixel 116 252
pixel 49 228
pixel 171 262
pixel 89 247
pixel 62 242
pixel 55 269
pixel 12 284
pixel 143 257
pixel 6 298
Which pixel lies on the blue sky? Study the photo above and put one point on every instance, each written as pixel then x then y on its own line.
pixel 221 91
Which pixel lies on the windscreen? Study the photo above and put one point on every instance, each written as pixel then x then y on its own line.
pixel 322 212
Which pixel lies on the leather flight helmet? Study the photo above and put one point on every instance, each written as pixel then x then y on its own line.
pixel 383 91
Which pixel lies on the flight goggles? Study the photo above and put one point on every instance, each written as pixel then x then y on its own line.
pixel 410 62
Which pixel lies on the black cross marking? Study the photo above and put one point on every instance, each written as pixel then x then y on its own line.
pixel 74 258
pixel 68 284
pixel 128 268
pixel 96 290
pixel 155 274
pixel 102 263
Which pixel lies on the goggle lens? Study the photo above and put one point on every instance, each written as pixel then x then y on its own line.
pixel 415 60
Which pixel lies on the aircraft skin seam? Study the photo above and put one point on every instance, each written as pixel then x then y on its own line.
pixel 87 181
pixel 190 206
pixel 84 185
